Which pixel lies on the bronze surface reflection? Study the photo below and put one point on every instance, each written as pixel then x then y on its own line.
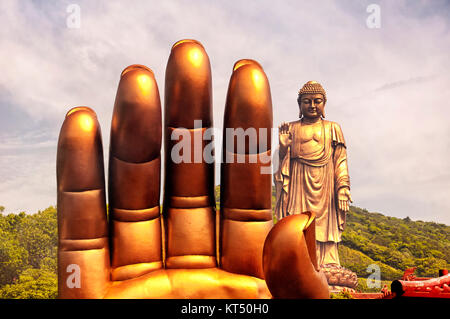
pixel 143 252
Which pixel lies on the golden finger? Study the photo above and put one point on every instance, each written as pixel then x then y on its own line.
pixel 290 263
pixel 245 208
pixel 189 202
pixel 134 175
pixel 83 252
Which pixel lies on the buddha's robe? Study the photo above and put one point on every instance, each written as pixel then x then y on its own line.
pixel 308 179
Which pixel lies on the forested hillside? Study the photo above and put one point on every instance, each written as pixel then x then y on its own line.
pixel 394 244
pixel 28 247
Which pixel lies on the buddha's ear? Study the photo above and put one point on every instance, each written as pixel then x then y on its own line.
pixel 300 114
pixel 324 104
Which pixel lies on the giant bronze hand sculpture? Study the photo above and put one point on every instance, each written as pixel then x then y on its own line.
pixel 186 251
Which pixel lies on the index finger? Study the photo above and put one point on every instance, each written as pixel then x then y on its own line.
pixel 83 251
pixel 246 214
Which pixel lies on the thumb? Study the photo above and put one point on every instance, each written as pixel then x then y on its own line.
pixel 349 196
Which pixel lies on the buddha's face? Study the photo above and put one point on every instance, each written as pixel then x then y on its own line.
pixel 312 105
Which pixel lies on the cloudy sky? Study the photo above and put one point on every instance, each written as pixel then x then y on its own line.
pixel 386 86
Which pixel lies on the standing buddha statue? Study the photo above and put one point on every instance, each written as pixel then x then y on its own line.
pixel 313 173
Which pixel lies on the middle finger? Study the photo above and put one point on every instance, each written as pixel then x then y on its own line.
pixel 189 203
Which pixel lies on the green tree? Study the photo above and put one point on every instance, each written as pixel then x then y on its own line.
pixel 28 246
pixel 32 284
pixel 38 235
pixel 12 258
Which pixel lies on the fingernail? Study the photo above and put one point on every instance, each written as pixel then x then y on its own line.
pixel 136 123
pixel 249 102
pixel 80 152
pixel 188 86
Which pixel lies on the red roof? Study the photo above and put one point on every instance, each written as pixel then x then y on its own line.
pixel 431 288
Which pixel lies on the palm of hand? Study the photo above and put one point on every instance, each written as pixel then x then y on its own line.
pixel 137 252
pixel 285 135
pixel 344 198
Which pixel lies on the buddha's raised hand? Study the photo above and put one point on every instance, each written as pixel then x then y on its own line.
pixel 285 135
pixel 187 251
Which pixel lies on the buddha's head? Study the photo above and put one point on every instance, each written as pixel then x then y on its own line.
pixel 311 100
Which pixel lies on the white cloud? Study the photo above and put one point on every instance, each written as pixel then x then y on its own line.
pixel 387 87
